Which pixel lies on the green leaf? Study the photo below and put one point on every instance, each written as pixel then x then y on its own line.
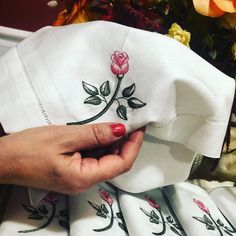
pixel 90 89
pixel 35 217
pixel 152 220
pixel 177 226
pixel 154 215
pixel 93 100
pixel 119 215
pixel 230 229
pixel 228 232
pixel 208 41
pixel 145 212
pixel 175 230
pixel 212 54
pixel 105 88
pixel 169 219
pixel 104 209
pixel 210 227
pixel 101 215
pixel 127 92
pixel 122 112
pixel 219 222
pixel 135 103
pixel 30 209
pixel 123 226
pixel 199 219
pixel 95 206
pixel 43 210
pixel 208 220
pixel 64 224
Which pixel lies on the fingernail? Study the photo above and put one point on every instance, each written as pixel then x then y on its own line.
pixel 118 130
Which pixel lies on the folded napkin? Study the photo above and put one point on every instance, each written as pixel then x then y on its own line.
pixel 225 199
pixel 48 218
pixel 96 212
pixel 196 211
pixel 105 72
pixel 148 213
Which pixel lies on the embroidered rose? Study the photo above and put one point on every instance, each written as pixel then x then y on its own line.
pixel 201 206
pixel 105 196
pixel 153 203
pixel 119 64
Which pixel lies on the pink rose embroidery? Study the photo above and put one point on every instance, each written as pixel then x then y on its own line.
pixel 106 196
pixel 153 203
pixel 201 206
pixel 119 64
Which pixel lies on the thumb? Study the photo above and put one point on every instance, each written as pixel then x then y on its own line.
pixel 82 137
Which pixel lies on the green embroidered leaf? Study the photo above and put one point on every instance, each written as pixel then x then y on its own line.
pixel 169 219
pixel 208 220
pixel 95 206
pixel 145 212
pixel 90 89
pixel 175 230
pixel 122 112
pixel 228 232
pixel 104 209
pixel 105 88
pixel 119 215
pixel 212 54
pixel 210 227
pixel 152 220
pixel 43 210
pixel 199 219
pixel 30 209
pixel 219 222
pixel 127 92
pixel 93 100
pixel 35 217
pixel 64 224
pixel 123 226
pixel 177 226
pixel 135 103
pixel 230 229
pixel 101 215
pixel 154 215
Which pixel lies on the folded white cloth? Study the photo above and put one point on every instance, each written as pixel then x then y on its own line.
pixel 96 212
pixel 48 218
pixel 102 71
pixel 225 199
pixel 196 211
pixel 148 213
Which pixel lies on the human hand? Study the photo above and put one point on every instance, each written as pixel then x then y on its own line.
pixel 50 157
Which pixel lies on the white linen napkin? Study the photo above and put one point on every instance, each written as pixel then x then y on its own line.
pixel 48 218
pixel 61 75
pixel 225 199
pixel 96 212
pixel 148 214
pixel 196 211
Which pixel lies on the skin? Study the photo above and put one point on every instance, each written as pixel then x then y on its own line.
pixel 55 157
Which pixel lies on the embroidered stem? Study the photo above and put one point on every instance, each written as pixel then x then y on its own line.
pixel 164 225
pixel 119 77
pixel 221 234
pixel 47 223
pixel 110 225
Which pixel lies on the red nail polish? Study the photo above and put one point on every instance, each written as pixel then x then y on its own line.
pixel 118 130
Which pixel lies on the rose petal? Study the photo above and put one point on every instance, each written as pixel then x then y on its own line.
pixel 226 5
pixel 124 68
pixel 115 69
pixel 207 8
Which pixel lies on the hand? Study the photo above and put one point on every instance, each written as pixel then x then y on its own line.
pixel 51 158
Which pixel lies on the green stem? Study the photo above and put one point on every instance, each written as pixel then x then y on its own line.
pixel 105 108
pixel 110 224
pixel 221 234
pixel 47 223
pixel 164 225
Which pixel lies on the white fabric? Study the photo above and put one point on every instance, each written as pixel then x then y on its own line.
pixel 181 197
pixel 188 101
pixel 18 218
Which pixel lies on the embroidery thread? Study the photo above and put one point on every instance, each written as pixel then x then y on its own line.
pixel 103 212
pixel 159 218
pixel 210 223
pixel 42 213
pixel 119 67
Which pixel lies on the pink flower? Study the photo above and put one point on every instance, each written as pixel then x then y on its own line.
pixel 153 203
pixel 105 196
pixel 201 206
pixel 119 64
pixel 51 198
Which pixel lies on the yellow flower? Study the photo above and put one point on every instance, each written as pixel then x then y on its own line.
pixel 234 51
pixel 179 34
pixel 214 8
